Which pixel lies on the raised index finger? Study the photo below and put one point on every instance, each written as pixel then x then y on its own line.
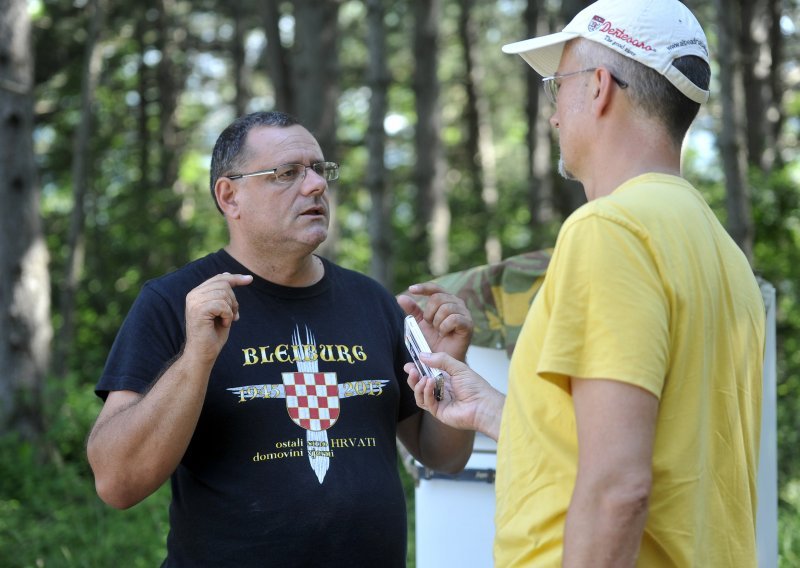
pixel 425 288
pixel 410 305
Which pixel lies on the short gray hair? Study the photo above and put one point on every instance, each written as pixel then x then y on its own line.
pixel 649 91
pixel 229 150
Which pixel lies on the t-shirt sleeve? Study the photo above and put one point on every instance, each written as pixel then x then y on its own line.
pixel 608 310
pixel 151 336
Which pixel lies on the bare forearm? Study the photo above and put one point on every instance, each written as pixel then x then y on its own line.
pixel 604 530
pixel 616 432
pixel 444 448
pixel 135 448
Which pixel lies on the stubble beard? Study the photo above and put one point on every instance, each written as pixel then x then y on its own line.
pixel 563 171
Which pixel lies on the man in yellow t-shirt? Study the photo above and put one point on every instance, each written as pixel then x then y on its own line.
pixel 629 436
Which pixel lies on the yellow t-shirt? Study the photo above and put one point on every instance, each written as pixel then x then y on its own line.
pixel 645 287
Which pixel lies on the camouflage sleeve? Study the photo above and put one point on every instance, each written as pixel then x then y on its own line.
pixel 498 296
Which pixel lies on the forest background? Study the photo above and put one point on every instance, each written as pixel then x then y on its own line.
pixel 108 112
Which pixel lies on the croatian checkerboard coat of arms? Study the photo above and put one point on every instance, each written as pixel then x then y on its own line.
pixel 312 399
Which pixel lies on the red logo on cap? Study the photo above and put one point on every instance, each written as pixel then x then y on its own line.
pixel 595 23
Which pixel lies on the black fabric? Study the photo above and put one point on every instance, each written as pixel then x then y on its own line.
pixel 245 493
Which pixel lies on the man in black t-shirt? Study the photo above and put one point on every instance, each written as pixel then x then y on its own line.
pixel 266 382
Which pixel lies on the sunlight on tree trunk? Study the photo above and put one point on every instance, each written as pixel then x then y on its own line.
pixel 433 211
pixel 25 329
pixel 481 134
pixel 731 145
pixel 380 217
pixel 81 157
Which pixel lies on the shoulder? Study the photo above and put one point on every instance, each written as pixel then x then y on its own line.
pixel 600 215
pixel 194 273
pixel 339 274
pixel 358 285
pixel 632 207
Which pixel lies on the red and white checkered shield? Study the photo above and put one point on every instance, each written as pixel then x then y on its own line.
pixel 312 399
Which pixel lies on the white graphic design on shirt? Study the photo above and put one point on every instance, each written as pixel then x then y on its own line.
pixel 312 399
pixel 316 440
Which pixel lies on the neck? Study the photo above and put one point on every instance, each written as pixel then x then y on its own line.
pixel 601 186
pixel 299 271
pixel 627 153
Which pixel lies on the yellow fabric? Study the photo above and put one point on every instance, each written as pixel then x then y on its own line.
pixel 645 287
pixel 512 306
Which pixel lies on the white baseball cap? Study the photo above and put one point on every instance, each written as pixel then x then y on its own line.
pixel 652 32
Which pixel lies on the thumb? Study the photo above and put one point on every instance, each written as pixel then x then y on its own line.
pixel 235 280
pixel 410 307
pixel 443 361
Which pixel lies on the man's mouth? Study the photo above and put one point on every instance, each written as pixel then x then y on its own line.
pixel 316 210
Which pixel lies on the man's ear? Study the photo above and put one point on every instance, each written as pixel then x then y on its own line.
pixel 226 195
pixel 603 90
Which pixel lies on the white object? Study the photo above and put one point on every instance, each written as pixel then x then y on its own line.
pixel 767 482
pixel 652 32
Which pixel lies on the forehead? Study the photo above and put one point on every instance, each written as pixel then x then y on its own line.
pixel 273 145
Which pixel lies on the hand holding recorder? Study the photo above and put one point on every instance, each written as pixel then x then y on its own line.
pixel 466 400
pixel 416 344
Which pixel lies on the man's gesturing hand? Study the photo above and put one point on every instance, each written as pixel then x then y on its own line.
pixel 211 309
pixel 445 321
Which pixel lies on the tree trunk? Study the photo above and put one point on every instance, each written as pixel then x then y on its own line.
pixel 144 139
pixel 25 329
pixel 316 84
pixel 378 79
pixel 539 136
pixel 169 80
pixel 479 126
pixel 730 139
pixel 277 58
pixel 775 117
pixel 240 71
pixel 171 72
pixel 754 75
pixel 80 180
pixel 433 212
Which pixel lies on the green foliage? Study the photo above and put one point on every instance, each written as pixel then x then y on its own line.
pixel 50 515
pixel 140 224
pixel 789 525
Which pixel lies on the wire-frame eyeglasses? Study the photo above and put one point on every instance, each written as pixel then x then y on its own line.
pixel 287 174
pixel 552 84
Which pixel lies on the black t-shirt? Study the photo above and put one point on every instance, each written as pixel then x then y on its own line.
pixel 293 461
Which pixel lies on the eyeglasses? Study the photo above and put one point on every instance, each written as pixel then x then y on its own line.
pixel 552 84
pixel 287 174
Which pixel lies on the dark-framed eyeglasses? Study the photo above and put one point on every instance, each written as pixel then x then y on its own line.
pixel 552 84
pixel 287 174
